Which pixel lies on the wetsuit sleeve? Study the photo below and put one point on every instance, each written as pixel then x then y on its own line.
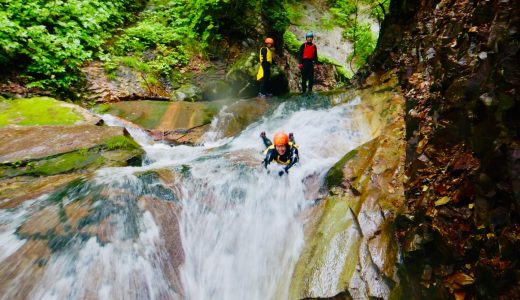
pixel 269 157
pixel 316 55
pixel 300 54
pixel 267 141
pixel 294 158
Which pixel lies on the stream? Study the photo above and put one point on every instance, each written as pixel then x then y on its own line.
pixel 193 222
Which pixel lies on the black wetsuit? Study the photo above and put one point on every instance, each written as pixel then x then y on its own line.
pixel 307 66
pixel 289 158
pixel 264 82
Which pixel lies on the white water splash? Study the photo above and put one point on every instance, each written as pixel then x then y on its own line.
pixel 239 225
pixel 240 230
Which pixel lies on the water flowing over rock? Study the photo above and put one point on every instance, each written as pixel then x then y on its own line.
pixel 35 160
pixel 350 248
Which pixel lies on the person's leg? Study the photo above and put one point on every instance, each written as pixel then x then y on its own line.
pixel 262 86
pixel 303 82
pixel 307 67
pixel 311 78
pixel 267 76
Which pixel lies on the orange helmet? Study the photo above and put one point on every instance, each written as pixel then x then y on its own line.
pixel 269 41
pixel 280 139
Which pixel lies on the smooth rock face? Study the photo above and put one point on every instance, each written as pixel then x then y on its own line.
pixel 350 248
pixel 15 190
pixel 24 143
pixel 458 64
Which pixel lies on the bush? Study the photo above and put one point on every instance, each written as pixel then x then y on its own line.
pixel 364 43
pixel 358 32
pixel 51 39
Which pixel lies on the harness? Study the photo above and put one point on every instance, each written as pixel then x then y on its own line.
pixel 278 156
pixel 309 51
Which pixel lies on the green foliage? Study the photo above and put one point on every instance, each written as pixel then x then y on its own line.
pixel 342 10
pixel 36 111
pixel 167 35
pixel 294 13
pixel 358 32
pixel 276 15
pixel 364 40
pixel 291 41
pixel 50 40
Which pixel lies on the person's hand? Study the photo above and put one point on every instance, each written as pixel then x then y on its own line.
pixel 262 134
pixel 300 66
pixel 284 171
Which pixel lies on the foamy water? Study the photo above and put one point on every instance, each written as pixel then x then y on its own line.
pixel 238 224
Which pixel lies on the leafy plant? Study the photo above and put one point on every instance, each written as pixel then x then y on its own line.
pixel 50 40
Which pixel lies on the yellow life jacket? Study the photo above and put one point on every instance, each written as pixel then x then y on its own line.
pixel 268 55
pixel 277 159
pixel 268 58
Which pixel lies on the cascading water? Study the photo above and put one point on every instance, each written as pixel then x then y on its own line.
pixel 239 228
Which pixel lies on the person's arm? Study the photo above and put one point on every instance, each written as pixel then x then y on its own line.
pixel 300 54
pixel 267 141
pixel 316 55
pixel 269 157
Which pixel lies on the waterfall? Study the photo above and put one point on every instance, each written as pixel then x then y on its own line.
pixel 239 227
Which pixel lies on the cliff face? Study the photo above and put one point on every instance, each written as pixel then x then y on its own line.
pixel 458 66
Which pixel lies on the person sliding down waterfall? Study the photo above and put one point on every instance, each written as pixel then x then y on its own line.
pixel 284 150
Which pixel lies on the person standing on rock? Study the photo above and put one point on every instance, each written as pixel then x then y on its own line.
pixel 264 72
pixel 307 58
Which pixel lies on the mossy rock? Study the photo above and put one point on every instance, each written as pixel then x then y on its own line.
pixel 187 92
pixel 335 175
pixel 114 150
pixel 217 90
pixel 42 111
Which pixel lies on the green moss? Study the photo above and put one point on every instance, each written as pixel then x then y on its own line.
pixel 335 175
pixel 343 72
pixel 121 142
pixel 68 162
pixel 36 111
pixel 56 165
pixel 78 160
pixel 133 62
pixel 101 109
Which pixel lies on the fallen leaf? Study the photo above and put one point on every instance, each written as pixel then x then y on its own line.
pixel 424 188
pixel 471 205
pixel 459 279
pixel 442 201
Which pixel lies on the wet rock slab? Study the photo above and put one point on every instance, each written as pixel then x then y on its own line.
pixel 35 142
